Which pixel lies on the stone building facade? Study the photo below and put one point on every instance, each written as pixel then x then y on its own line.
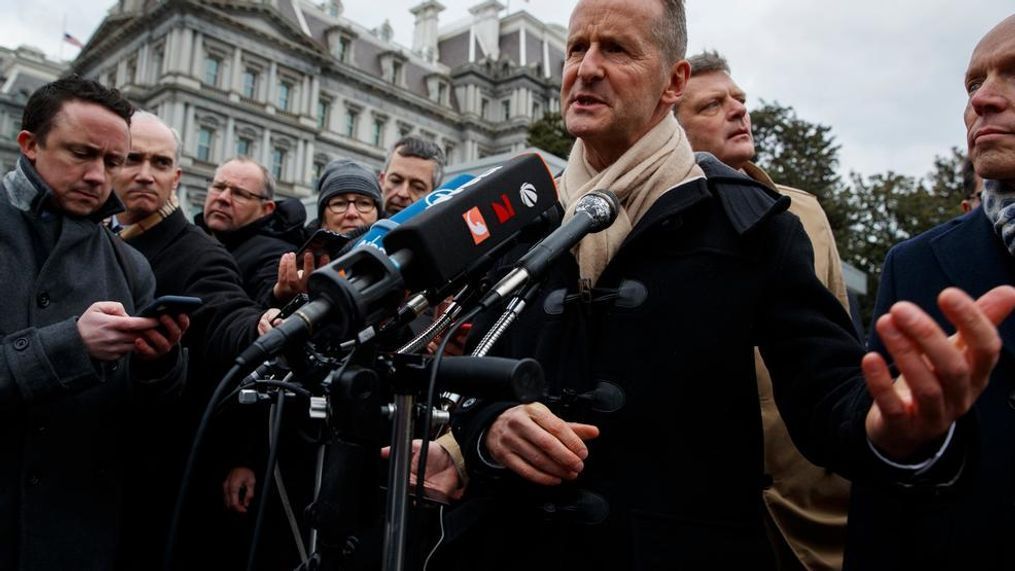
pixel 295 84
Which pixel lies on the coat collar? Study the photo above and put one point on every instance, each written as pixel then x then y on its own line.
pixel 747 203
pixel 974 259
pixel 28 192
pixel 160 236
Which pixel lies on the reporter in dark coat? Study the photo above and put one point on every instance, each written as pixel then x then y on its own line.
pixel 186 261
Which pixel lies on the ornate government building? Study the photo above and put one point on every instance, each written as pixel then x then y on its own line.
pixel 295 84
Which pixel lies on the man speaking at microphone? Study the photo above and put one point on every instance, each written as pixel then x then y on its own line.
pixel 666 306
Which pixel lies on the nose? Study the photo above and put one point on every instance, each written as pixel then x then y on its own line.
pixel 96 172
pixel 144 173
pixel 402 189
pixel 591 66
pixel 737 109
pixel 989 98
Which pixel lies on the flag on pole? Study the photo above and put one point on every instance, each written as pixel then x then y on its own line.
pixel 72 40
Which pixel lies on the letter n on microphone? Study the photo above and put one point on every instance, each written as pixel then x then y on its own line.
pixel 477 225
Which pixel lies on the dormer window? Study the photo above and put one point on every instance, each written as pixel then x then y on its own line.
pixel 393 67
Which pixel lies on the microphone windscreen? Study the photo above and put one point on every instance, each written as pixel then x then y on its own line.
pixel 488 211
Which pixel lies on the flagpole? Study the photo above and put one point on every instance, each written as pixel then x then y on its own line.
pixel 63 37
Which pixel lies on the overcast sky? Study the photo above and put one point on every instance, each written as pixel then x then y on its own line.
pixel 885 75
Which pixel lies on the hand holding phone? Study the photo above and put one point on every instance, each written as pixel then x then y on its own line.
pixel 172 305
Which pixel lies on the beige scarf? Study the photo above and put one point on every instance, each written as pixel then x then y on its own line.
pixel 151 220
pixel 659 161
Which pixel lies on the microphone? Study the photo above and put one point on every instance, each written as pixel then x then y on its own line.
pixel 594 212
pixel 436 249
pixel 469 229
pixel 378 230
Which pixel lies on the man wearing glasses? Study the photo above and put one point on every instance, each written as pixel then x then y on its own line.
pixel 241 212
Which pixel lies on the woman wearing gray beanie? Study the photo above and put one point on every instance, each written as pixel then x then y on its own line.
pixel 349 196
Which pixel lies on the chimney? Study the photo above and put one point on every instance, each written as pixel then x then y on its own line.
pixel 486 26
pixel 424 35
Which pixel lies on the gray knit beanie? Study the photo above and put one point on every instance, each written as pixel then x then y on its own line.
pixel 342 176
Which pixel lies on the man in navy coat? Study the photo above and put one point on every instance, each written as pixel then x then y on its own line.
pixel 970 525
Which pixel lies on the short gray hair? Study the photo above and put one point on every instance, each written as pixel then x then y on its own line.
pixel 269 180
pixel 670 31
pixel 411 146
pixel 708 62
pixel 147 115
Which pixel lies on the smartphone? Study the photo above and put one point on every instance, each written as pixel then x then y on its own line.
pixel 171 305
pixel 322 243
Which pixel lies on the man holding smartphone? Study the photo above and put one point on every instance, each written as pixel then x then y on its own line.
pixel 74 364
pixel 186 262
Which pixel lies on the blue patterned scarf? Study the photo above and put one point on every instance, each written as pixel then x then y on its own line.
pixel 999 206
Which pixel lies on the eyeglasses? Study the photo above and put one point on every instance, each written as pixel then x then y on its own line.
pixel 339 205
pixel 238 193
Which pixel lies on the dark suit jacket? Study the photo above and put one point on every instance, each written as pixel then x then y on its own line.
pixel 186 261
pixel 969 525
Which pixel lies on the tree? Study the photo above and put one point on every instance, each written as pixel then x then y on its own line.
pixel 885 209
pixel 801 154
pixel 550 135
pixel 869 214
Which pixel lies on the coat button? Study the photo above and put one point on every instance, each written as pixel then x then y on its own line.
pixel 43 300
pixel 21 343
pixel 33 480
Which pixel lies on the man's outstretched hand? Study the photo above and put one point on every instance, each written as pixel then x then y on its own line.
pixel 940 376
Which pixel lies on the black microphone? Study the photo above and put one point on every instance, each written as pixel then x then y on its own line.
pixel 594 212
pixel 436 250
pixel 452 240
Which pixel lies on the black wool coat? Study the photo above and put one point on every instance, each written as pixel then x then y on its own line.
pixel 257 247
pixel 186 261
pixel 674 481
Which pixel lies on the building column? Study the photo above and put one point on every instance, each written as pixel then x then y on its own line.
pixel 142 64
pixel 196 69
pixel 266 150
pixel 186 49
pixel 171 49
pixel 272 84
pixel 521 50
pixel 188 129
pixel 546 59
pixel 237 80
pixel 308 164
pixel 229 142
pixel 297 164
pixel 315 97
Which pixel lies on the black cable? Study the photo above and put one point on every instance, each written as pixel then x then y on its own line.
pixel 188 470
pixel 430 390
pixel 276 430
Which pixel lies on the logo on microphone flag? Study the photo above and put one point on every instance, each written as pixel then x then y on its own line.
pixel 528 194
pixel 503 211
pixel 477 225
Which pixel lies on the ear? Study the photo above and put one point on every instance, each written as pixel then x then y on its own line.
pixel 29 144
pixel 267 207
pixel 176 178
pixel 678 76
